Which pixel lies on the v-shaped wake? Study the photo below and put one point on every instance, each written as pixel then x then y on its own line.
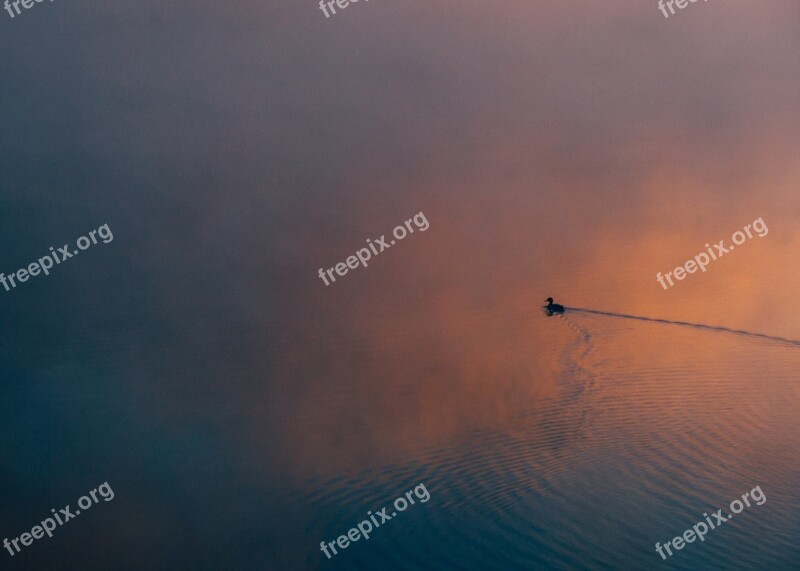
pixel 775 338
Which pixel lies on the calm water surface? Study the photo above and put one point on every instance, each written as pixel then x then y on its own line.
pixel 652 425
pixel 242 411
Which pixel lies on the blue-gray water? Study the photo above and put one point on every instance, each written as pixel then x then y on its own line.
pixel 656 425
pixel 242 411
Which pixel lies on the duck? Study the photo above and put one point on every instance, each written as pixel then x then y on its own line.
pixel 552 308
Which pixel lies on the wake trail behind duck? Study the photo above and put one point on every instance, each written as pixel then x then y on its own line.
pixel 581 351
pixel 774 338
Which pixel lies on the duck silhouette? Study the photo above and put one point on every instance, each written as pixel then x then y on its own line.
pixel 552 308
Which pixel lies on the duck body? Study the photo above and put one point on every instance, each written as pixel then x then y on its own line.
pixel 553 308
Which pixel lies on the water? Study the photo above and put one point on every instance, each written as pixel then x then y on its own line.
pixel 242 411
pixel 655 425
